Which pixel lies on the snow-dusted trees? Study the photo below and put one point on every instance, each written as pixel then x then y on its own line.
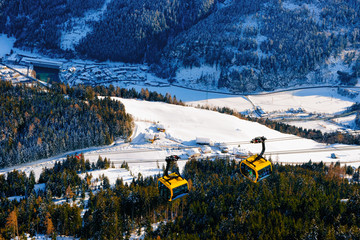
pixel 132 31
pixel 39 23
pixel 279 43
pixel 37 124
pixel 296 202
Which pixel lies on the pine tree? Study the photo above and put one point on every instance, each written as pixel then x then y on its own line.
pixel 49 224
pixel 12 222
pixel 69 193
pixel 106 183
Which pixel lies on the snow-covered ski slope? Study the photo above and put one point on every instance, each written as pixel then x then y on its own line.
pixel 324 102
pixel 183 125
pixel 317 100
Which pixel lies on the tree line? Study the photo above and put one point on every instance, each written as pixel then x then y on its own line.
pixel 89 92
pixel 63 179
pixel 57 179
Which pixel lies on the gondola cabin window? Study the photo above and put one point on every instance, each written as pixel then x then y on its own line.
pixel 164 191
pixel 183 189
pixel 265 172
pixel 248 172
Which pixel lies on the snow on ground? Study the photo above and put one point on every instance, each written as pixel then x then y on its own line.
pixel 39 165
pixel 348 121
pixel 333 125
pixel 338 63
pixel 239 104
pixel 187 123
pixel 205 75
pixel 112 174
pixel 16 198
pixel 135 236
pixel 44 237
pixel 40 186
pixel 22 69
pixel 37 187
pixel 315 11
pixel 323 126
pixel 6 44
pixel 290 6
pixel 183 94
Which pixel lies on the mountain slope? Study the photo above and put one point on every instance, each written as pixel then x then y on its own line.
pixel 132 31
pixel 257 45
pixel 273 46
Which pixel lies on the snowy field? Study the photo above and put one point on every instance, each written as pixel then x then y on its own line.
pixel 317 101
pixel 183 125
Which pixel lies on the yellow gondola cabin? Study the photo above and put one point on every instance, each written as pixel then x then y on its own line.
pixel 257 170
pixel 172 186
pixel 256 167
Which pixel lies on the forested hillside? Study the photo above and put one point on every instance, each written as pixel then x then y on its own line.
pixel 253 45
pixel 296 202
pixel 37 123
pixel 270 44
pixel 133 31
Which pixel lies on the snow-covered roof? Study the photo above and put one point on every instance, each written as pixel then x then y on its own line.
pixel 42 62
pixel 160 126
pixel 193 152
pixel 203 140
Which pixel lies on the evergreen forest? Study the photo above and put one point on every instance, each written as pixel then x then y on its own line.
pixel 308 201
pixel 38 123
